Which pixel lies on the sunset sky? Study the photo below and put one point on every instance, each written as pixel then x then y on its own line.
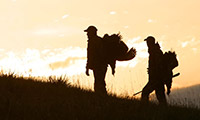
pixel 45 37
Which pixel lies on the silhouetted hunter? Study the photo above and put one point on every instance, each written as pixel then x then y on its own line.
pixel 156 81
pixel 96 60
pixel 102 52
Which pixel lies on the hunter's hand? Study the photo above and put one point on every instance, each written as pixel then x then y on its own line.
pixel 113 72
pixel 87 72
pixel 168 92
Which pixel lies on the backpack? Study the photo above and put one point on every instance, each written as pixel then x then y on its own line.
pixel 169 63
pixel 116 49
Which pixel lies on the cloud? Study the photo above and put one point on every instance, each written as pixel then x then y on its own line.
pixel 193 43
pixel 65 16
pixel 126 27
pixel 139 45
pixel 194 50
pixel 45 51
pixel 45 62
pixel 151 21
pixel 63 64
pixel 2 50
pixel 113 13
pixel 71 60
pixel 184 44
pixel 132 41
pixel 60 31
pixel 46 31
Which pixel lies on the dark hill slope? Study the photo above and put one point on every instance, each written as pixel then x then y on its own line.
pixel 28 99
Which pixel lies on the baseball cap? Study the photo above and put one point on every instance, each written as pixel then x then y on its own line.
pixel 150 38
pixel 91 28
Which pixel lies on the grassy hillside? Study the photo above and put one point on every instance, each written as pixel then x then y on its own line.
pixel 28 99
pixel 188 96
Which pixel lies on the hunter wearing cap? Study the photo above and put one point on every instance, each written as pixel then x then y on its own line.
pixel 96 60
pixel 155 72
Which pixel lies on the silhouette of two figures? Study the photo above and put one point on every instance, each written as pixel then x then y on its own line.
pixel 105 51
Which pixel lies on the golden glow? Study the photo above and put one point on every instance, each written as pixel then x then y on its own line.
pixel 42 37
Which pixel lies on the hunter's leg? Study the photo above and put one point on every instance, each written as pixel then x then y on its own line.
pixel 160 94
pixel 146 91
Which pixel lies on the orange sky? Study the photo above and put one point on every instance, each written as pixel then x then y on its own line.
pixel 42 37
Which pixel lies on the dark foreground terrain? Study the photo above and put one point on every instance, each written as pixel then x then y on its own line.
pixel 28 99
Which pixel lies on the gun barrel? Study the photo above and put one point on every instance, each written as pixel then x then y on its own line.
pixel 177 74
pixel 137 93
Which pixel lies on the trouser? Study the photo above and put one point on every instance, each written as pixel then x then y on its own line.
pixel 159 90
pixel 99 80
